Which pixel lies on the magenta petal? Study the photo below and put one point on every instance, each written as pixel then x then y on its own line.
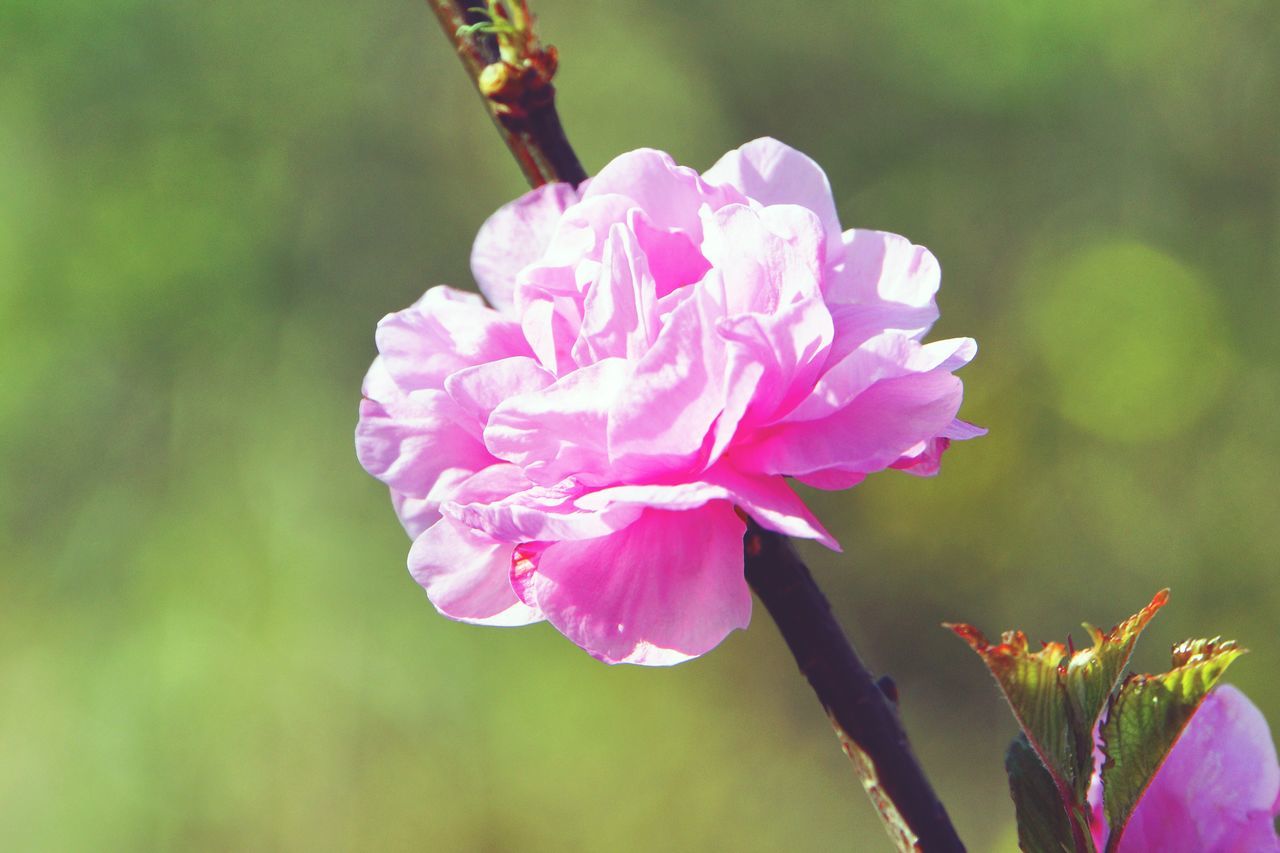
pixel 886 356
pixel 767 499
pixel 766 257
pixel 514 237
pixel 534 513
pixel 880 425
pixel 771 172
pixel 1217 790
pixel 467 576
pixel 663 590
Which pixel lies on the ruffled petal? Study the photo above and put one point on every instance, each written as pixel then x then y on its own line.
pixel 881 424
pixel 443 332
pixel 671 195
pixel 412 443
pixel 771 172
pixel 467 576
pixel 674 395
pixel 514 237
pixel 880 267
pixel 773 360
pixel 561 430
pixel 665 589
pixel 886 356
pixel 767 499
pixel 526 512
pixel 619 312
pixel 767 257
pixel 479 390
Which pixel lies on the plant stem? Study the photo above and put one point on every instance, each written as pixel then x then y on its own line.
pixel 520 98
pixel 863 712
pixel 865 719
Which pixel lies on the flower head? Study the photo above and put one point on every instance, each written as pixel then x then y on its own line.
pixel 663 350
pixel 1218 790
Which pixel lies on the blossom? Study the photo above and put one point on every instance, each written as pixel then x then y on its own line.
pixel 1218 790
pixel 663 350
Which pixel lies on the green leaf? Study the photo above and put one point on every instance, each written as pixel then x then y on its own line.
pixel 1043 824
pixel 1058 693
pixel 1146 718
pixel 1032 683
pixel 1092 675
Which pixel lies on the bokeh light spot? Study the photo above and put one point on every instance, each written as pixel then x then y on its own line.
pixel 1134 341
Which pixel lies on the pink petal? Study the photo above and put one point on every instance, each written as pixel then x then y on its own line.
pixel 766 257
pixel 479 390
pixel 767 499
pixel 669 194
pixel 665 589
pixel 411 443
pixel 770 172
pixel 514 237
pixel 1217 790
pixel 674 395
pixel 619 312
pixel 443 332
pixel 510 508
pixel 560 430
pixel 467 576
pixel 774 360
pixel 881 267
pixel 886 356
pixel 673 258
pixel 880 425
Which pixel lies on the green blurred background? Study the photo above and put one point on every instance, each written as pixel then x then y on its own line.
pixel 208 640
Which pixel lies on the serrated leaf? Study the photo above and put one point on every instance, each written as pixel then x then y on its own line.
pixel 1091 676
pixel 1032 684
pixel 1043 823
pixel 1145 719
pixel 1057 693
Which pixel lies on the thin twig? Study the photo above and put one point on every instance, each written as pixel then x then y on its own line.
pixel 516 90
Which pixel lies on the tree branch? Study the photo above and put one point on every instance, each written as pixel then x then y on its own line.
pixel 512 73
pixel 863 711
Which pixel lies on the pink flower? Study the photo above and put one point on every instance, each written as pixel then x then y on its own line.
pixel 663 351
pixel 1217 792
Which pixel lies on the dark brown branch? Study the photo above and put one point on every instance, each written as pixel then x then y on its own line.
pixel 863 711
pixel 518 94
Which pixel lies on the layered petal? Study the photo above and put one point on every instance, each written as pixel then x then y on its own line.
pixel 878 267
pixel 771 172
pixel 411 443
pixel 444 331
pixel 467 575
pixel 881 424
pixel 561 431
pixel 671 195
pixel 668 349
pixel 666 588
pixel 515 236
pixel 674 394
